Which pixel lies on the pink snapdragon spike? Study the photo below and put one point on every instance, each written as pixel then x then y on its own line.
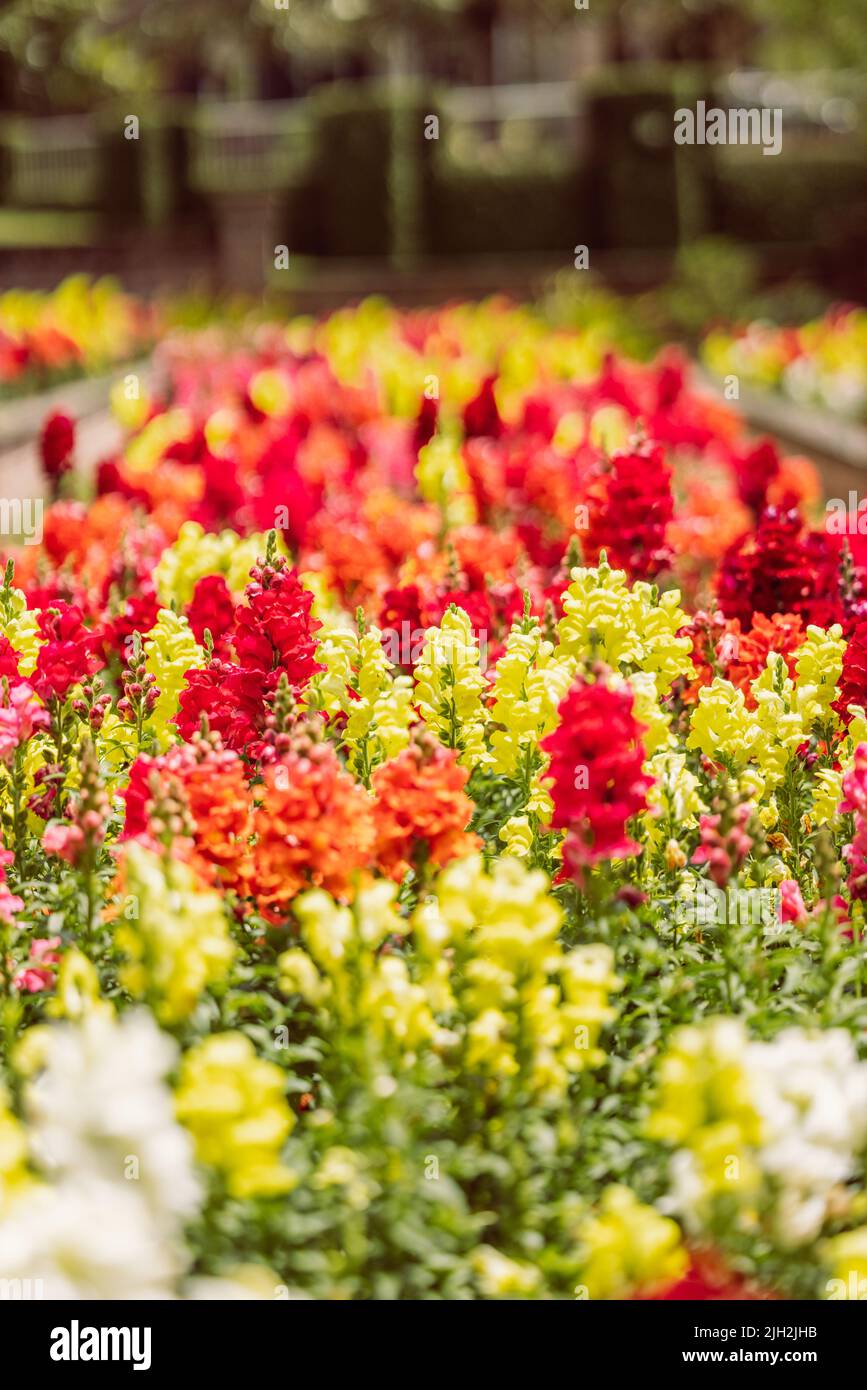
pixel 20 717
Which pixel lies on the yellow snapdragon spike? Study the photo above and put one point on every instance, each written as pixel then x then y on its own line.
pixel 15 1178
pixel 631 628
pixel 358 681
pixel 144 451
pixel 518 1006
pixel 827 794
pixel 846 1258
pixel 173 932
pixel 450 688
pixel 527 1006
pixel 21 630
pixel 517 836
pixel 527 690
pixel 359 988
pixel 703 1081
pixel 705 1106
pixel 819 665
pixel 610 428
pixel 443 479
pixel 271 392
pixel 786 711
pixel 657 736
pixel 77 993
pixel 781 723
pixel 346 1168
pixel 499 1276
pixel 196 553
pixel 674 795
pixel 722 724
pixel 628 1247
pixel 336 652
pixel 171 651
pixel 234 1105
pixel 130 406
pixel 297 974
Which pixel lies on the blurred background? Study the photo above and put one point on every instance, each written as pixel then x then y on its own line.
pixel 177 143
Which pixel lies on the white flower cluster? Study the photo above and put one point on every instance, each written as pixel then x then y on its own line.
pixel 121 1180
pixel 803 1099
pixel 811 1093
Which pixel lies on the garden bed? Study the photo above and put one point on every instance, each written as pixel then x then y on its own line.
pixel 433 793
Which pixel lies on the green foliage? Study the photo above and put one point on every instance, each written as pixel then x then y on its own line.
pixel 477 212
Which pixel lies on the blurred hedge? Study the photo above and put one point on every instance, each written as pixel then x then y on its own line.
pixel 798 197
pixel 370 168
pixel 644 190
pixel 507 213
pixel 375 187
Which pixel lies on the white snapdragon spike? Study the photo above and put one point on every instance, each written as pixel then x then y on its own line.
pixel 101 1108
pixel 88 1238
pixel 686 1196
pixel 811 1093
pixel 808 1092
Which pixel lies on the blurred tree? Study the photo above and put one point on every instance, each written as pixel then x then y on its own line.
pixel 68 53
pixel 806 34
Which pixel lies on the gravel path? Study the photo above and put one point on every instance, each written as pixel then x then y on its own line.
pixel 86 401
pixel 97 437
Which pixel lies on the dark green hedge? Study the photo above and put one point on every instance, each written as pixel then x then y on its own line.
pixel 644 190
pixel 147 181
pixel 473 212
pixel 354 167
pixel 635 188
pixel 792 197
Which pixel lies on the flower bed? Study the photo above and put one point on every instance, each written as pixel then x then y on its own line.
pixel 817 363
pixel 79 329
pixel 435 815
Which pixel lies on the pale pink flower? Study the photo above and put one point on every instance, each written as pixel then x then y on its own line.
pixel 792 902
pixel 32 979
pixel 20 719
pixel 63 840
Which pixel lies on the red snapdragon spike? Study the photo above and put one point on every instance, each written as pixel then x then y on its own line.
pixel 274 628
pixel 853 681
pixel 68 653
pixel 781 567
pixel 426 423
pixel 212 609
pixel 481 416
pixel 708 1280
pixel 56 445
pixel 633 506
pixel 223 499
pixel 755 468
pixel 596 766
pixel 233 699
